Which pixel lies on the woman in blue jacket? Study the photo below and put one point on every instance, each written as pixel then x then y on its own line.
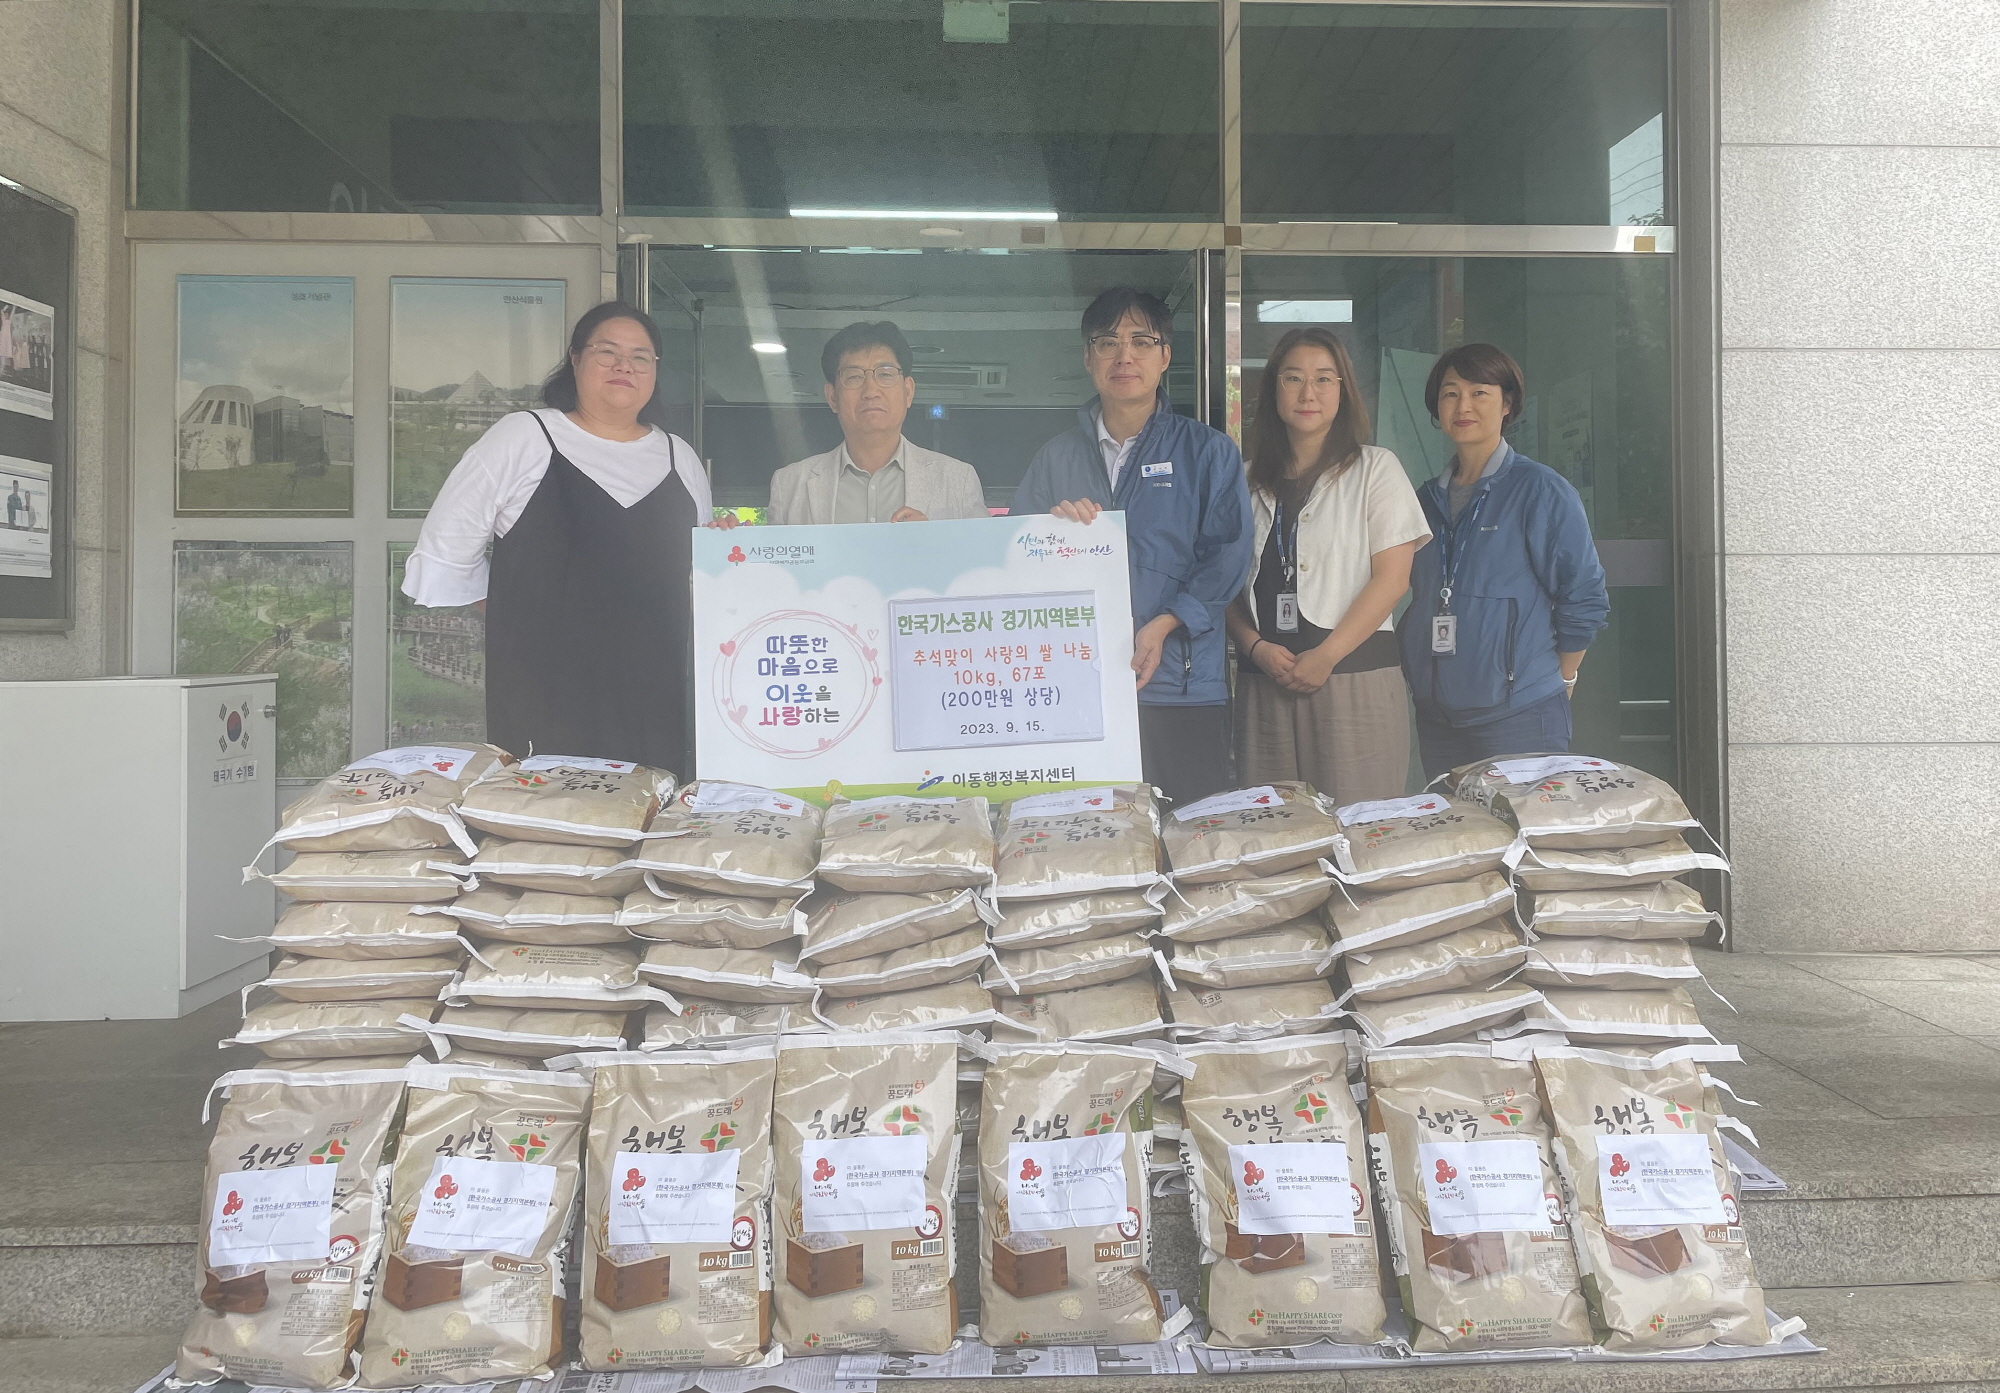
pixel 1508 593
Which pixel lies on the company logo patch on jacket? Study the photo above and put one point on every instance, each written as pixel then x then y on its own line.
pixel 1152 471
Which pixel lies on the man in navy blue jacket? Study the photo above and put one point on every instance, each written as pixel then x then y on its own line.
pixel 1187 524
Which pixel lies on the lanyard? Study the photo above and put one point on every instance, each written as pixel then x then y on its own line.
pixel 1287 560
pixel 1453 553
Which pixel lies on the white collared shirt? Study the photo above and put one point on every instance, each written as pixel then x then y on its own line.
pixel 1116 452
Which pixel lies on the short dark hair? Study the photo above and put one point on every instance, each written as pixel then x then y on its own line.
pixel 559 390
pixel 881 333
pixel 1108 309
pixel 1478 362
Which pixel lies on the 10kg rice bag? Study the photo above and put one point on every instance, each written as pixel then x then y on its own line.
pixel 906 844
pixel 566 798
pixel 392 800
pixel 1460 1149
pixel 732 839
pixel 1279 1160
pixel 1078 843
pixel 480 1205
pixel 677 1209
pixel 865 1133
pixel 1566 800
pixel 1250 833
pixel 1398 843
pixel 291 1225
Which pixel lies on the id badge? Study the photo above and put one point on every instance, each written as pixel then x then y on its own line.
pixel 1288 613
pixel 1444 633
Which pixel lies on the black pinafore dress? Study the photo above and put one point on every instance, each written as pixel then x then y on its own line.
pixel 588 623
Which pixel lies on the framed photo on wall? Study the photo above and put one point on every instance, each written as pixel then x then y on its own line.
pixel 265 398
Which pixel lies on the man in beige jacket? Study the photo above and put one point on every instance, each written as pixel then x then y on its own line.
pixel 874 474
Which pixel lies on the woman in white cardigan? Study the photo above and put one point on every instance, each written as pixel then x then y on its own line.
pixel 1321 696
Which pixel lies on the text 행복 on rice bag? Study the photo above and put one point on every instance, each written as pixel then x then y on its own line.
pixel 480 1206
pixel 1570 800
pixel 1279 1160
pixel 1460 1150
pixel 1249 833
pixel 732 839
pixel 906 844
pixel 1658 1232
pixel 1065 1209
pixel 865 1133
pixel 291 1225
pixel 1080 842
pixel 677 1209
pixel 565 798
pixel 1397 843
pixel 392 800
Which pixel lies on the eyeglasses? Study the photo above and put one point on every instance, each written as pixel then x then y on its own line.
pixel 609 355
pixel 1297 381
pixel 1110 345
pixel 853 379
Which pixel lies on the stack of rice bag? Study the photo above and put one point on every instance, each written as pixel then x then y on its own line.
pixel 371 847
pixel 718 879
pixel 1077 887
pixel 1598 848
pixel 1249 952
pixel 1423 922
pixel 896 936
pixel 552 972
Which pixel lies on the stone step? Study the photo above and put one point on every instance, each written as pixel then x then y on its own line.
pixel 1933 1336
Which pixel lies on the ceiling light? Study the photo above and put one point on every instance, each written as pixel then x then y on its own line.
pixel 766 346
pixel 936 215
pixel 944 232
pixel 1306 312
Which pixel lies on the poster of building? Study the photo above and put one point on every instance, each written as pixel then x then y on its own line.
pixel 26 530
pixel 462 354
pixel 437 666
pixel 27 356
pixel 992 655
pixel 265 396
pixel 283 607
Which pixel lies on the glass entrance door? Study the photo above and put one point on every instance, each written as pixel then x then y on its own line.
pixel 994 335
pixel 1591 335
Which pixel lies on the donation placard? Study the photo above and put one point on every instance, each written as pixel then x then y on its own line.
pixel 991 656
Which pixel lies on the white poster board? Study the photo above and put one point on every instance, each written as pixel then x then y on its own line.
pixel 992 656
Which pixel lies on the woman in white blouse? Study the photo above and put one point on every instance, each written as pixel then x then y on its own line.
pixel 588 506
pixel 1321 696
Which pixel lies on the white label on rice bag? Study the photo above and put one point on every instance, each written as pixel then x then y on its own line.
pixel 889 799
pixel 1292 1187
pixel 1653 1180
pixel 673 1199
pixel 474 1206
pixel 1484 1186
pixel 1533 771
pixel 271 1216
pixel 1076 800
pixel 1235 801
pixel 536 763
pixel 712 797
pixel 862 1183
pixel 1388 809
pixel 409 759
pixel 1071 1183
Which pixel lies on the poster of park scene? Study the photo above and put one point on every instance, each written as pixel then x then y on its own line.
pixel 283 607
pixel 462 354
pixel 437 666
pixel 266 396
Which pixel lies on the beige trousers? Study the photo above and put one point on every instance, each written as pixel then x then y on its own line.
pixel 1350 739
